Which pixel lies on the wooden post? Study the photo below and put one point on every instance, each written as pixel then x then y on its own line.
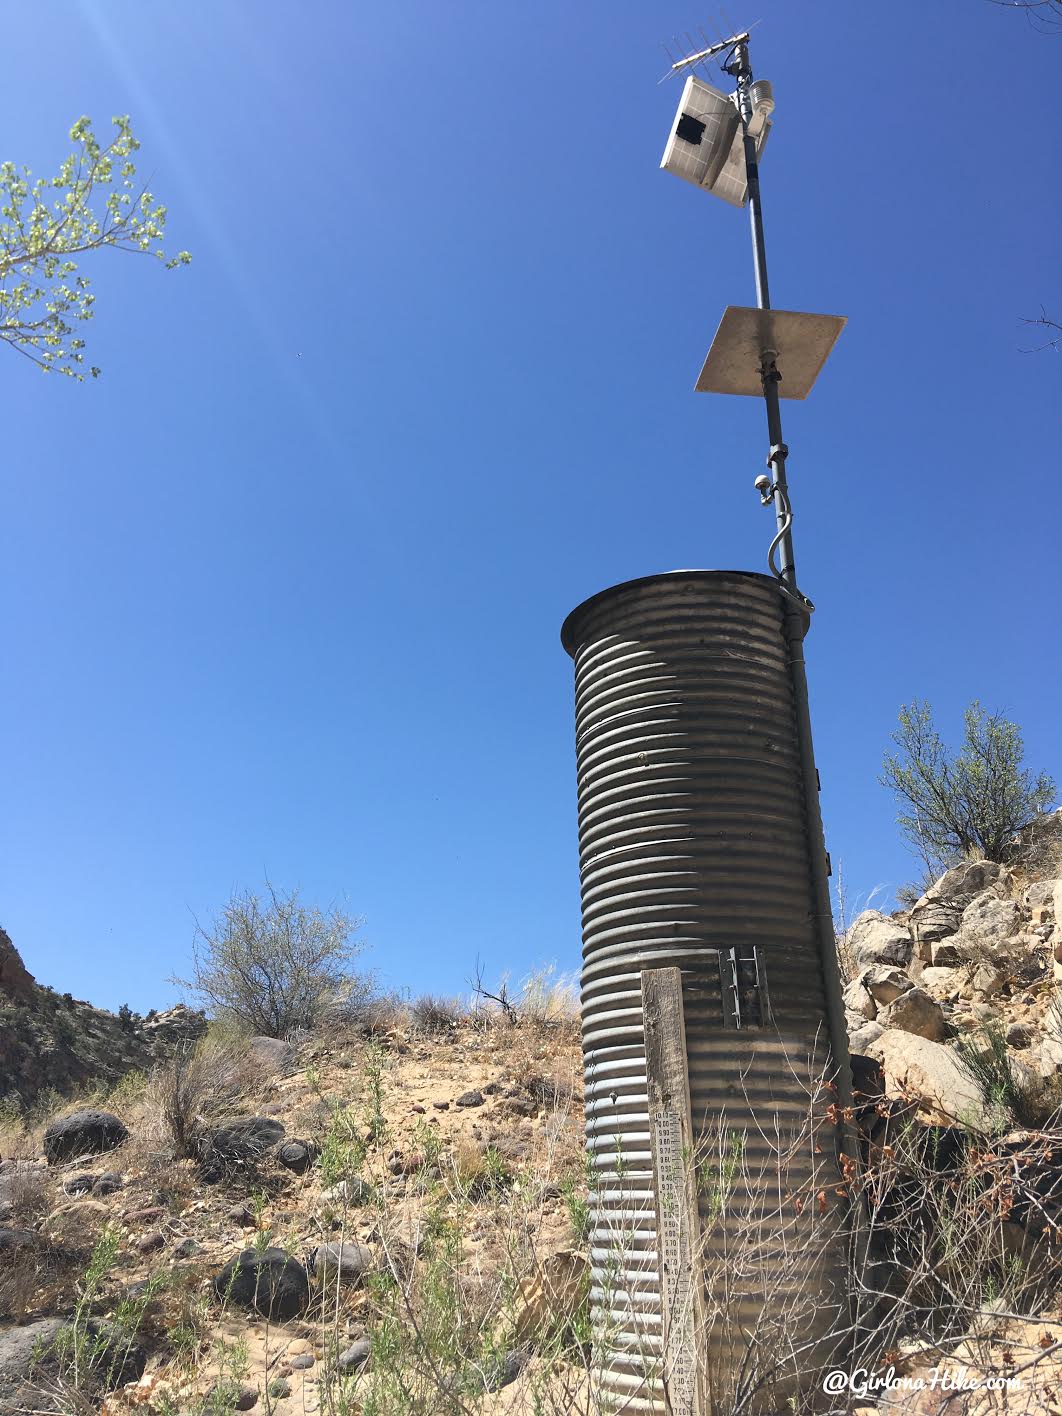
pixel 678 1229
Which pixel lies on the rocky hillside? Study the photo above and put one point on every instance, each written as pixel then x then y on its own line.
pixel 390 1218
pixel 958 998
pixel 321 1187
pixel 51 1042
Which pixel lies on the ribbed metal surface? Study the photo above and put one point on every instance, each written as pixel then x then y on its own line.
pixel 692 840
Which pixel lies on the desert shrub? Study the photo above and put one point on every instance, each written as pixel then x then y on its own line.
pixel 432 1014
pixel 545 998
pixel 275 965
pixel 369 1014
pixel 548 998
pixel 1008 1096
pixel 201 1082
pixel 28 1192
pixel 480 1171
pixel 92 1356
pixel 972 803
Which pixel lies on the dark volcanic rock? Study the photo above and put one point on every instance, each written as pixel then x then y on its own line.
pixel 23 1366
pixel 80 1183
pixel 117 1357
pixel 271 1283
pixel 83 1133
pixel 237 1142
pixel 12 1240
pixel 470 1098
pixel 296 1155
pixel 355 1356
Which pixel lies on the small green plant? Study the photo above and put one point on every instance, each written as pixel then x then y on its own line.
pixel 986 1059
pixel 342 1147
pixel 10 1113
pixel 716 1174
pixel 577 1205
pixel 92 1355
pixel 375 1121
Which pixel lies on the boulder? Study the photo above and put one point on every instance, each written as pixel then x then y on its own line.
pixel 1040 895
pixel 941 983
pixel 117 1355
pixel 13 1240
pixel 931 920
pixel 1051 1057
pixel 237 1142
pixel 961 883
pixel 986 982
pixel 83 1133
pixel 80 1183
pixel 469 1098
pixel 349 1262
pixel 355 1356
pixel 884 984
pixel 876 939
pixel 988 920
pixel 296 1155
pixel 348 1192
pixel 860 1039
pixel 23 1380
pixel 931 1075
pixel 271 1283
pixel 272 1054
pixel 945 953
pixel 915 1012
pixel 858 1002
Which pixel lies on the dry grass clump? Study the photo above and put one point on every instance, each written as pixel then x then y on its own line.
pixel 434 1015
pixel 26 1193
pixel 548 998
pixel 198 1085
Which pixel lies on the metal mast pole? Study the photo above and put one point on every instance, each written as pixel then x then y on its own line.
pixel 797 617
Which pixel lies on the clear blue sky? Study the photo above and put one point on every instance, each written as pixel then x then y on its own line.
pixel 282 591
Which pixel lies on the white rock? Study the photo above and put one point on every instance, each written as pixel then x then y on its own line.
pixel 857 1000
pixel 931 1074
pixel 945 953
pixel 1051 1056
pixel 959 885
pixel 990 919
pixel 876 939
pixel 932 919
pixel 884 984
pixel 915 1012
pixel 941 983
pixel 859 1039
pixel 986 982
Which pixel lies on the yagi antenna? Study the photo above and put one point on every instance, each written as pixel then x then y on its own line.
pixel 702 54
pixel 693 57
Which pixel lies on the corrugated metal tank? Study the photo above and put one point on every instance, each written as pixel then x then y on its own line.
pixel 693 843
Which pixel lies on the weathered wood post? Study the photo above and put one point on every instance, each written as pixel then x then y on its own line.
pixel 678 1227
